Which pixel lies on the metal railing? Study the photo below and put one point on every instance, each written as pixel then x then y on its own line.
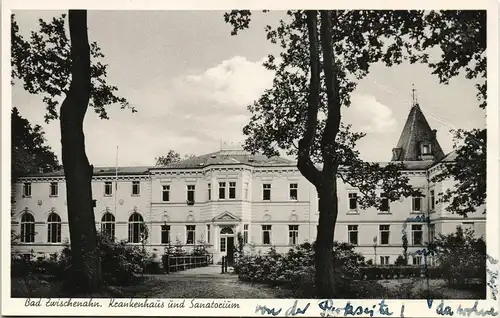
pixel 173 263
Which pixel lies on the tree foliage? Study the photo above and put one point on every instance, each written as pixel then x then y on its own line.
pixel 68 72
pixel 43 64
pixel 171 156
pixel 468 170
pixel 361 38
pixel 279 116
pixel 462 255
pixel 323 56
pixel 29 152
pixel 461 35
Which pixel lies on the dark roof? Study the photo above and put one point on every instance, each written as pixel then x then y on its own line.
pixel 98 171
pixel 416 131
pixel 412 165
pixel 452 156
pixel 229 157
pixel 223 157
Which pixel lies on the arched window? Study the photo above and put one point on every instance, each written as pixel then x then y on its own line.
pixel 27 228
pixel 54 228
pixel 135 228
pixel 108 225
pixel 226 230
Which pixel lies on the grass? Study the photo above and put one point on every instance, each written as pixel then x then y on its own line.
pixel 162 286
pixel 47 287
pixel 421 288
pixel 38 286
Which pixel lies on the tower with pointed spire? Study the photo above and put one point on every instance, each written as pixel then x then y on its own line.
pixel 418 141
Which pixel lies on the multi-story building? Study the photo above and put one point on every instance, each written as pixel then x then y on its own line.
pixel 210 198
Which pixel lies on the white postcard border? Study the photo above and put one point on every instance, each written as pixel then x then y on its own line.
pixel 247 307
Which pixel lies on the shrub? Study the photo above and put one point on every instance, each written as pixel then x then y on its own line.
pixel 200 249
pixel 461 256
pixel 390 272
pixel 296 267
pixel 152 266
pixel 20 265
pixel 401 260
pixel 119 260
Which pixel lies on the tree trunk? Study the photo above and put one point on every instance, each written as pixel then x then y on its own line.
pixel 85 262
pixel 328 210
pixel 325 180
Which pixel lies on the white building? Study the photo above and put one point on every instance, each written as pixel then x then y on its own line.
pixel 212 197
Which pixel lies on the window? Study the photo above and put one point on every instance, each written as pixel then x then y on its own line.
pixel 432 232
pixel 27 228
pixel 353 201
pixel 266 191
pixel 416 204
pixel 416 233
pixel 209 192
pixel 384 202
pixel 190 234
pixel 165 195
pixel 108 188
pixel 190 193
pixel 208 233
pixel 246 190
pixel 232 190
pixel 266 234
pixel 433 200
pixel 222 190
pixel 432 260
pixel 384 234
pixel 245 233
pixel 417 259
pixel 293 191
pixel 54 228
pixel 222 244
pixel 384 260
pixel 27 189
pixel 293 234
pixel 352 234
pixel 165 234
pixel 136 188
pixel 136 228
pixel 54 189
pixel 426 149
pixel 108 224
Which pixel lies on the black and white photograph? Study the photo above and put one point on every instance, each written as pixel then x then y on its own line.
pixel 249 154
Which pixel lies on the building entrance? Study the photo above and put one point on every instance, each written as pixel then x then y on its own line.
pixel 227 244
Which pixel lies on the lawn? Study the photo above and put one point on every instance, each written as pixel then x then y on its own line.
pixel 168 287
pixel 45 287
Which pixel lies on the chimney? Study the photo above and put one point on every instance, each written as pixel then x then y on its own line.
pixel 396 153
pixel 434 132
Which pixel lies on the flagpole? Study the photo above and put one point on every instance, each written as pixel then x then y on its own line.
pixel 116 178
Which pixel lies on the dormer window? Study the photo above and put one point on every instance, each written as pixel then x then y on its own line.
pixel 426 149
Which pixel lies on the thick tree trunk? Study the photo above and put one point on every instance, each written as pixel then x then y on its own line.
pixel 325 180
pixel 85 262
pixel 328 210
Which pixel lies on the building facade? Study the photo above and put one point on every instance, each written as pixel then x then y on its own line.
pixel 211 198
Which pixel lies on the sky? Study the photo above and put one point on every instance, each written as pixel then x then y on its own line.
pixel 191 81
